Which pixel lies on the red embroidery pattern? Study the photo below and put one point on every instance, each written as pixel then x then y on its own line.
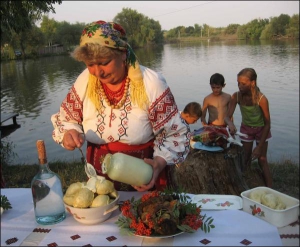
pixel 52 244
pixel 11 241
pixel 246 242
pixel 121 130
pixel 289 235
pixel 73 106
pixel 111 238
pixel 205 241
pixel 43 230
pixel 111 138
pixel 101 128
pixel 74 237
pixel 162 110
pixel 174 127
pixel 295 223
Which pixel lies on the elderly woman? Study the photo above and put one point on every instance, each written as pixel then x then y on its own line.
pixel 117 105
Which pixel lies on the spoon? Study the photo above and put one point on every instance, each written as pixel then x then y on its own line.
pixel 89 169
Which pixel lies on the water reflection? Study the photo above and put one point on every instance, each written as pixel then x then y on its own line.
pixel 151 57
pixel 36 88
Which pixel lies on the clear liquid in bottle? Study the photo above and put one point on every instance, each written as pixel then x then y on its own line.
pixel 47 192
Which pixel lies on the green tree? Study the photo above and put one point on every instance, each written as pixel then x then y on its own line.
pixel 267 33
pixel 189 31
pixel 140 29
pixel 231 28
pixel 32 40
pixel 68 34
pixel 280 24
pixel 253 29
pixel 48 27
pixel 20 16
pixel 197 30
pixel 172 33
pixel 293 29
pixel 205 31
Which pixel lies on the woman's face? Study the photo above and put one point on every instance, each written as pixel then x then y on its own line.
pixel 108 70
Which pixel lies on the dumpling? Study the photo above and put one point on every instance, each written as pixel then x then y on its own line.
pixel 100 200
pixel 104 187
pixel 68 199
pixel 269 200
pixel 83 198
pixel 280 204
pixel 256 195
pixel 74 188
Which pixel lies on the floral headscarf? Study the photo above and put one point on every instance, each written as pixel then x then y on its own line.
pixel 109 34
pixel 113 35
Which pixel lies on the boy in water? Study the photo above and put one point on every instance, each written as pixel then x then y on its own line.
pixel 191 112
pixel 216 103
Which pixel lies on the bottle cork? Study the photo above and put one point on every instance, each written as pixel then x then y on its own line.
pixel 40 145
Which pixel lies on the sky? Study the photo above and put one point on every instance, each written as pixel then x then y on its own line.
pixel 171 14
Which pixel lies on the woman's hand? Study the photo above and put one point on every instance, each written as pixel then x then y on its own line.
pixel 73 139
pixel 158 164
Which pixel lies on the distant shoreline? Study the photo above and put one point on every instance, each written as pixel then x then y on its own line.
pixel 218 38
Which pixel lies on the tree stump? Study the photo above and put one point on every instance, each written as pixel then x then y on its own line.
pixel 206 172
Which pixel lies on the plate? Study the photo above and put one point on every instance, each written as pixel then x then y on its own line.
pixel 201 146
pixel 160 236
pixel 218 202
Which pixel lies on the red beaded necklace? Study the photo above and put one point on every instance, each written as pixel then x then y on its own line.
pixel 115 99
pixel 114 96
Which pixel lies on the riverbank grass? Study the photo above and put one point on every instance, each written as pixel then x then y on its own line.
pixel 285 175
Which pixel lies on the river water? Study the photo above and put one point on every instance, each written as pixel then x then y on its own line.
pixel 36 88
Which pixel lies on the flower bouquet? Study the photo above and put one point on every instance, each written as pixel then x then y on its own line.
pixel 162 214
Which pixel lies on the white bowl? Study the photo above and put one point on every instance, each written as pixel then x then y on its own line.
pixel 91 216
pixel 277 218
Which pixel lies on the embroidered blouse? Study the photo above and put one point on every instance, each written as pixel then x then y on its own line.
pixel 129 124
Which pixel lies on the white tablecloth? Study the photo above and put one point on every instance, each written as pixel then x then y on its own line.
pixel 232 228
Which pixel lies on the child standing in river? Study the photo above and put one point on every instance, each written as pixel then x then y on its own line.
pixel 256 121
pixel 216 103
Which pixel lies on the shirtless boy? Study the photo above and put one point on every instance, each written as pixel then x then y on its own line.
pixel 216 103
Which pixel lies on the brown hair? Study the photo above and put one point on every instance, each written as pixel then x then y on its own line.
pixel 91 52
pixel 193 109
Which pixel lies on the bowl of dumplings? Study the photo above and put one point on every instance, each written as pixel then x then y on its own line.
pixel 91 202
pixel 270 205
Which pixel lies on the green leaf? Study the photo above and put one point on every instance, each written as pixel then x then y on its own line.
pixel 5 204
pixel 186 228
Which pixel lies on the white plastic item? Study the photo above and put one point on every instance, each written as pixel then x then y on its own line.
pixel 279 218
pixel 127 169
pixel 218 202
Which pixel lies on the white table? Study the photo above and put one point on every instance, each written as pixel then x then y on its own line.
pixel 233 228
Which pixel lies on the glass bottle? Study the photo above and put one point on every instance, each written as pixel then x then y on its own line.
pixel 47 192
